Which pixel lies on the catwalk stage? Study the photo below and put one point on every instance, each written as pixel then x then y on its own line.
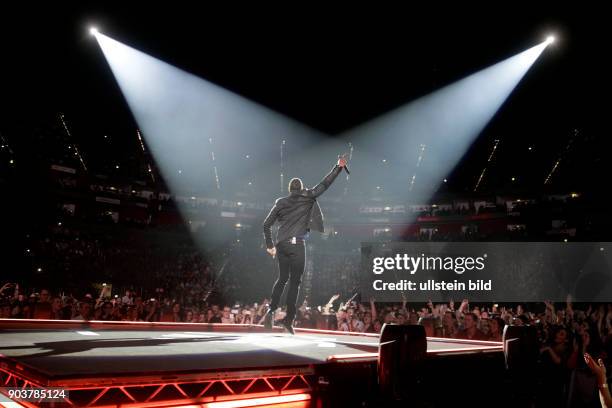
pixel 137 364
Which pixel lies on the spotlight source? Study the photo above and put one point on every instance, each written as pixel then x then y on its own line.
pixel 550 39
pixel 93 30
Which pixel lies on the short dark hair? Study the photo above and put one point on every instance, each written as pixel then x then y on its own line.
pixel 295 184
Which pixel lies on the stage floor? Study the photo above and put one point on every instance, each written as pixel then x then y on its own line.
pixel 60 353
pixel 107 349
pixel 167 364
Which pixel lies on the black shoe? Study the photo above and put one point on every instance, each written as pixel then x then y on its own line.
pixel 288 324
pixel 268 319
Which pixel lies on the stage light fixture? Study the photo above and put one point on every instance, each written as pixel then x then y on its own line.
pixel 550 39
pixel 93 30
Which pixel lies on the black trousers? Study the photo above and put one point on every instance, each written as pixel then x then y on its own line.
pixel 291 259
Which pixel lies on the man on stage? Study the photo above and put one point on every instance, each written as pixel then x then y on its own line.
pixel 297 214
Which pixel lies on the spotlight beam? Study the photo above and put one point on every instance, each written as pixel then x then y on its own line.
pixel 179 113
pixel 447 121
pixel 200 134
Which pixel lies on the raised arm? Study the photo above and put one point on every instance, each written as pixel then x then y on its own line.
pixel 329 179
pixel 373 309
pixel 599 369
pixel 330 303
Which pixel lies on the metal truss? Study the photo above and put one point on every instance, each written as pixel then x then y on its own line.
pixel 171 393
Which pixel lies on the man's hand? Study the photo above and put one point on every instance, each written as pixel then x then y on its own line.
pixel 342 160
pixel 272 251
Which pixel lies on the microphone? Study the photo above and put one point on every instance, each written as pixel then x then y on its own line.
pixel 346 165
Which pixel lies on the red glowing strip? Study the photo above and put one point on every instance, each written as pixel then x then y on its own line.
pixel 464 341
pixel 335 332
pixel 356 356
pixel 336 357
pixel 183 406
pixel 464 349
pixel 461 349
pixel 93 324
pixel 81 323
pixel 255 402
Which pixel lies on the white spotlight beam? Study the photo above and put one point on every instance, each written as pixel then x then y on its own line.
pixel 179 113
pixel 447 121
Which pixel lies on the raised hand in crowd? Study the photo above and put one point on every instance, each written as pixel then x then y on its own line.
pixel 464 307
pixel 598 368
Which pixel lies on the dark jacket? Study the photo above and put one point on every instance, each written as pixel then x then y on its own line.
pixel 298 212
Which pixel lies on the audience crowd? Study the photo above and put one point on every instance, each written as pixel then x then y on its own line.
pixel 566 332
pixel 187 284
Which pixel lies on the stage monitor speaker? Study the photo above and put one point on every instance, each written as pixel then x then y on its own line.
pixel 521 348
pixel 401 353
